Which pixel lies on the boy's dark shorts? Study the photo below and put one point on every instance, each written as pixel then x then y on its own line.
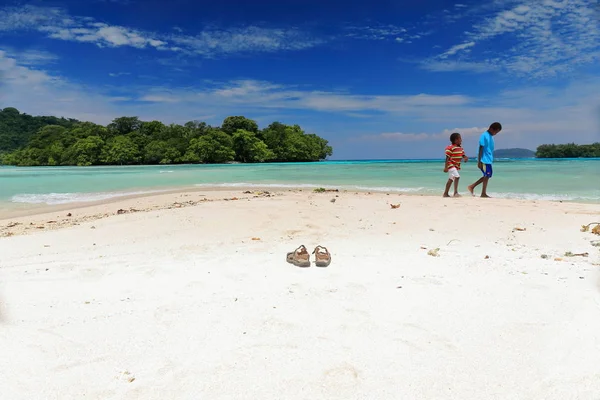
pixel 487 170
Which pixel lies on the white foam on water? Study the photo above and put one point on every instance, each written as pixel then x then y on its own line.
pixel 66 198
pixel 310 186
pixel 417 190
pixel 544 197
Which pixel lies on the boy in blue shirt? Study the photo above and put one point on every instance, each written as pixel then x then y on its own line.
pixel 486 157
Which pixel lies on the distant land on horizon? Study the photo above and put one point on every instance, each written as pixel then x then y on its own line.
pixel 511 153
pixel 514 153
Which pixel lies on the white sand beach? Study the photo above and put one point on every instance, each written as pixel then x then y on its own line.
pixel 191 297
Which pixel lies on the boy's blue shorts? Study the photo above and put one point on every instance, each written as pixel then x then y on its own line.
pixel 487 170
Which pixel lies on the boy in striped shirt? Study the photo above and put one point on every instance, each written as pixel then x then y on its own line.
pixel 454 155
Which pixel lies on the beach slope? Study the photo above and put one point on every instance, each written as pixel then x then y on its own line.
pixel 189 295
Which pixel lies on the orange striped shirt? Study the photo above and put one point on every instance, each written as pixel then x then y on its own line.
pixel 454 156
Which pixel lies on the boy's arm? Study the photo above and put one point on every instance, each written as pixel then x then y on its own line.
pixel 446 164
pixel 479 163
pixel 464 156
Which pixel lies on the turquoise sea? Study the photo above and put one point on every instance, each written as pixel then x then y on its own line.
pixel 575 180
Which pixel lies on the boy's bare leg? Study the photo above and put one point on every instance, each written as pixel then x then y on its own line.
pixel 484 190
pixel 456 187
pixel 448 184
pixel 474 185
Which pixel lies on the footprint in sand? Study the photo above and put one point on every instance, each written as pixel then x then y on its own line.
pixel 428 280
pixel 422 339
pixel 278 325
pixel 166 315
pixel 343 378
pixel 356 288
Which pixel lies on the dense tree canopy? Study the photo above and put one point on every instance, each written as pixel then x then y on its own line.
pixel 26 140
pixel 570 150
pixel 17 129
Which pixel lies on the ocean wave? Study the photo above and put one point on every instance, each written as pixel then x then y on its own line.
pixel 66 198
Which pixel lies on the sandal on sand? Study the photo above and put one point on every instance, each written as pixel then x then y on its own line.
pixel 322 256
pixel 299 257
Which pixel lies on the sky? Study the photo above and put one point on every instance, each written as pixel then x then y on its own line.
pixel 379 79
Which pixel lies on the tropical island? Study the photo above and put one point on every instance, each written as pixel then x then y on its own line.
pixel 569 150
pixel 27 140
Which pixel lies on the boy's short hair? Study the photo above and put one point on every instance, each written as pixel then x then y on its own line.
pixel 454 137
pixel 496 126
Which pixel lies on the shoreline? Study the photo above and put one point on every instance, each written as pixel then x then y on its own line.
pixel 50 217
pixel 24 209
pixel 27 192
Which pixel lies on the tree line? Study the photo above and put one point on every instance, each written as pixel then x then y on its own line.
pixel 33 141
pixel 569 150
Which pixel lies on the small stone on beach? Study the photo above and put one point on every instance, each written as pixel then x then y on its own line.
pixel 434 252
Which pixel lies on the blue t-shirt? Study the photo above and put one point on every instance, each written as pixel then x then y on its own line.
pixel 487 142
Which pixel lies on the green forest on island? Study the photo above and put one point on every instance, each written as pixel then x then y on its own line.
pixel 27 140
pixel 569 150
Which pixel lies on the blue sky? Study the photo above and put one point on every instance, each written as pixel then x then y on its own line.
pixel 378 79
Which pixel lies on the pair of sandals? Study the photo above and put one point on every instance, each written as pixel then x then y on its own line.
pixel 301 258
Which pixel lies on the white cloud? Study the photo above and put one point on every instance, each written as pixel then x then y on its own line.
pixel 256 94
pixel 455 49
pixel 15 75
pixel 118 74
pixel 31 57
pixel 466 133
pixel 161 98
pixel 57 24
pixel 375 32
pixel 380 32
pixel 547 37
pixel 31 17
pixel 530 115
pixel 104 35
pixel 213 41
pixel 455 66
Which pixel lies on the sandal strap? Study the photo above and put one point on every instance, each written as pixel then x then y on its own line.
pixel 318 248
